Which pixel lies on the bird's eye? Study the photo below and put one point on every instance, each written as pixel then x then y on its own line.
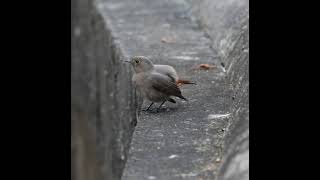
pixel 137 61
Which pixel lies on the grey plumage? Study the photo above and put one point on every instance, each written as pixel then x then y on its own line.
pixel 155 84
pixel 167 70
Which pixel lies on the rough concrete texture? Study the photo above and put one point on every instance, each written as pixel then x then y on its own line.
pixel 185 140
pixel 103 109
pixel 221 19
pixel 226 23
pixel 204 138
pixel 235 164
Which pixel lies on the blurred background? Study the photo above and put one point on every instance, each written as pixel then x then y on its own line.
pixel 111 138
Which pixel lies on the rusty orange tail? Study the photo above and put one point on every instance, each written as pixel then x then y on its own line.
pixel 180 81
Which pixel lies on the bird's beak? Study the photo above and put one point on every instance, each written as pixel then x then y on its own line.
pixel 128 61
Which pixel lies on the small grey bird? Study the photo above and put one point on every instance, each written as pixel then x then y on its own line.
pixel 157 83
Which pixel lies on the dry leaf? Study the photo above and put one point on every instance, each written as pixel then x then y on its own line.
pixel 167 40
pixel 205 67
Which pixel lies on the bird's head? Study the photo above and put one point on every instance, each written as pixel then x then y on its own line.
pixel 141 64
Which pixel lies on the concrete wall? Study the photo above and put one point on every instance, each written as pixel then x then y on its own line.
pixel 235 164
pixel 103 106
pixel 226 22
pixel 221 19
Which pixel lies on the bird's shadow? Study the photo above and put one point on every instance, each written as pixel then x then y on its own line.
pixel 161 110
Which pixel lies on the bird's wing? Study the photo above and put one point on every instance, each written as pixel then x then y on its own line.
pixel 164 84
pixel 167 70
pixel 171 78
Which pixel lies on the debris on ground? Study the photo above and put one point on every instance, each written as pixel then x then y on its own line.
pixel 168 40
pixel 204 67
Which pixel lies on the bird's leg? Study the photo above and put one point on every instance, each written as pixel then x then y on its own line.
pixel 148 107
pixel 161 105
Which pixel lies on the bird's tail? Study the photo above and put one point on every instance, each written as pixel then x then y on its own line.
pixel 180 96
pixel 181 81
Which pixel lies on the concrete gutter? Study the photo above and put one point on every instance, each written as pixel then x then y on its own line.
pixel 205 138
